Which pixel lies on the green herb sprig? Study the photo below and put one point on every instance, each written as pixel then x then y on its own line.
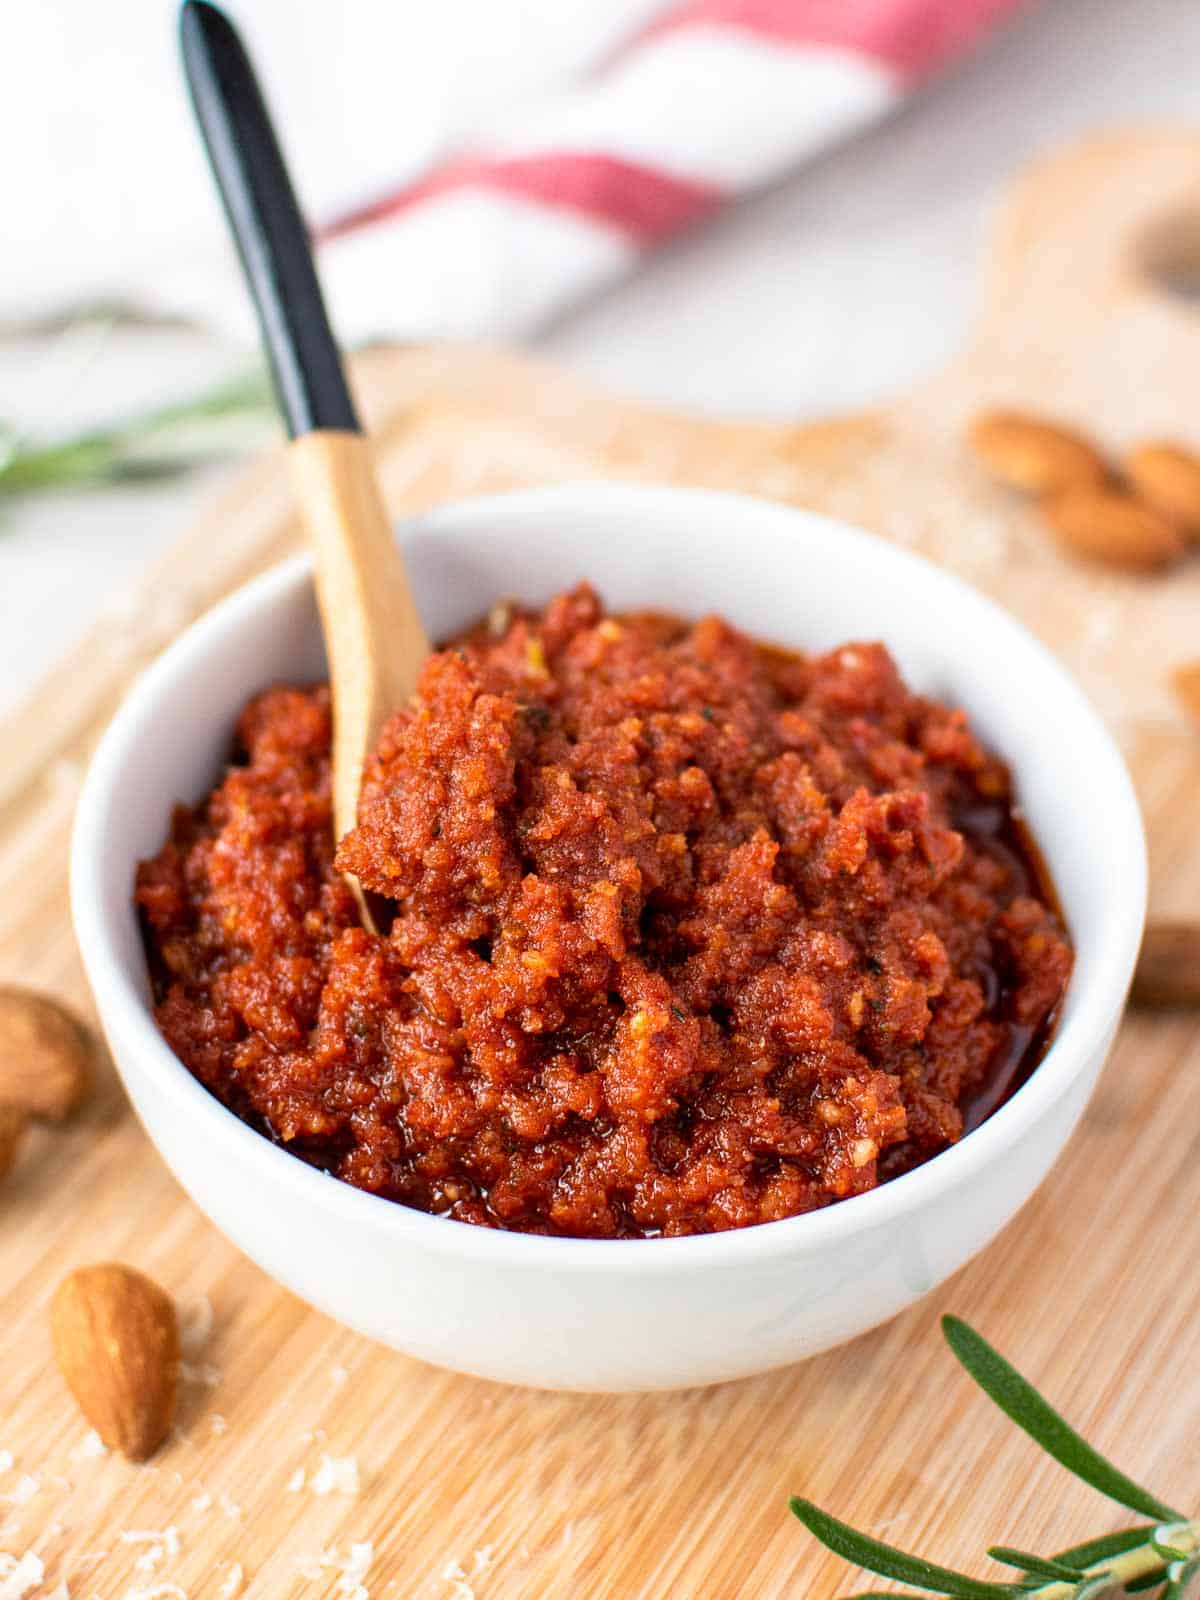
pixel 1162 1554
pixel 154 444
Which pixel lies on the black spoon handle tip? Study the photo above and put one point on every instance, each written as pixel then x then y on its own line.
pixel 271 237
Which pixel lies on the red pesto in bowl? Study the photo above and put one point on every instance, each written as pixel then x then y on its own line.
pixel 689 932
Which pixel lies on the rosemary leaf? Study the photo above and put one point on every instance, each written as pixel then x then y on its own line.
pixel 889 1562
pixel 1021 1401
pixel 1035 1566
pixel 1084 1555
pixel 1151 1580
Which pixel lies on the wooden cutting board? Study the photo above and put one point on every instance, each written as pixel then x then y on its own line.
pixel 466 1488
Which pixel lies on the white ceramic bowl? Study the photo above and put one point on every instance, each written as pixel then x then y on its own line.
pixel 600 1314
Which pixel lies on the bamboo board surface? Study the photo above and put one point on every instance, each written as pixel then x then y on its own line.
pixel 470 1489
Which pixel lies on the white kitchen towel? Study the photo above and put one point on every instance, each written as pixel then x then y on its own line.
pixel 706 102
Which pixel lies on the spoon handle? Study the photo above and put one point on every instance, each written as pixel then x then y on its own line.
pixel 373 633
pixel 266 224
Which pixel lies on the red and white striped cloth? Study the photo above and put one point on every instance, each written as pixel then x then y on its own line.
pixel 710 101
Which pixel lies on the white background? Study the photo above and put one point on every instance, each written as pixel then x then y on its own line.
pixel 833 290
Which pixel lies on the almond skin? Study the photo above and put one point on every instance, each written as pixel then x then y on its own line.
pixel 1167 477
pixel 1185 681
pixel 1035 456
pixel 1111 526
pixel 1168 969
pixel 45 1055
pixel 12 1131
pixel 116 1340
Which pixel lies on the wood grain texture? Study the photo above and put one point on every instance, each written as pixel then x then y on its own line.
pixel 374 638
pixel 468 1488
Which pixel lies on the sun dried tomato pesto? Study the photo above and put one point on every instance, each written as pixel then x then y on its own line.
pixel 690 932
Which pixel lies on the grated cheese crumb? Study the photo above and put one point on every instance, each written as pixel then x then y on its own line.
pixel 160 1591
pixel 336 1474
pixel 202 1502
pixel 24 1492
pixel 160 1545
pixel 19 1578
pixel 296 1482
pixel 90 1447
pixel 233 1582
pixel 355 1569
pixel 338 1376
pixel 310 1568
pixel 59 1592
pixel 453 1574
pixel 351 1569
pixel 6 1460
pixel 361 1557
pixel 217 1423
pixel 229 1506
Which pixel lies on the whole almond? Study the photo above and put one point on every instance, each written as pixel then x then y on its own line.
pixel 116 1339
pixel 1035 456
pixel 1168 969
pixel 1167 477
pixel 1185 681
pixel 1111 526
pixel 45 1055
pixel 12 1131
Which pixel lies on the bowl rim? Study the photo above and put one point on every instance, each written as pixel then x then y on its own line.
pixel 127 1017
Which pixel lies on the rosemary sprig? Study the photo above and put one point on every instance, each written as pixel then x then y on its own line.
pixel 156 443
pixel 1163 1554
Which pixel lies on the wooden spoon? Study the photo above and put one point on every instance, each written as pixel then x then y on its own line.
pixel 373 634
